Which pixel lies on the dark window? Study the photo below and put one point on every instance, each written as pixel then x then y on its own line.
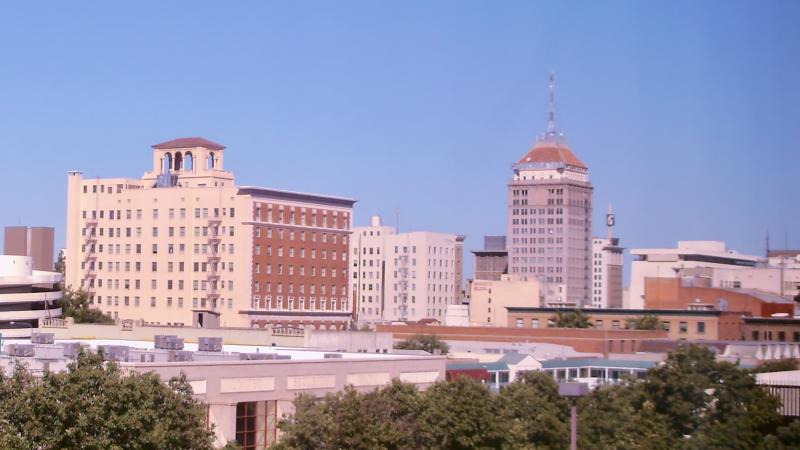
pixel 755 335
pixel 781 336
pixel 256 424
pixel 701 327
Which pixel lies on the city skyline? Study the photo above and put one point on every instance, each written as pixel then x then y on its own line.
pixel 327 101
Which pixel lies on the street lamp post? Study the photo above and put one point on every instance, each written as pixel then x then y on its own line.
pixel 573 391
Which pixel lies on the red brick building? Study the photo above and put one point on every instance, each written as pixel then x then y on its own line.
pixel 299 260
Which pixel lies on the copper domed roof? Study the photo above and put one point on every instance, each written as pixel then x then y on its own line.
pixel 552 151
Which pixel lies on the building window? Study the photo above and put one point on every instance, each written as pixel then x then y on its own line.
pixel 520 323
pixel 256 424
pixel 684 327
pixel 755 335
pixel 534 323
pixel 701 327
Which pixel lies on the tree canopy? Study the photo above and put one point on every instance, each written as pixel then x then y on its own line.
pixel 94 406
pixel 571 319
pixel 645 322
pixel 427 342
pixel 75 304
pixel 691 401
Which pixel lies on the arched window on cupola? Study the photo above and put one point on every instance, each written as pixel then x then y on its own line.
pixel 178 161
pixel 210 162
pixel 167 161
pixel 188 162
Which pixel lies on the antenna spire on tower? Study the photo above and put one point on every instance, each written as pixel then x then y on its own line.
pixel 551 105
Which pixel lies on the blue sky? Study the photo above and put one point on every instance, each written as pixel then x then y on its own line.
pixel 687 112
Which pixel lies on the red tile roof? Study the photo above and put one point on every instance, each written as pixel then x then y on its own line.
pixel 190 142
pixel 547 152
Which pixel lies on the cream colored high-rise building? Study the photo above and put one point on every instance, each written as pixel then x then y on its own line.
pixel 183 245
pixel 550 218
pixel 404 276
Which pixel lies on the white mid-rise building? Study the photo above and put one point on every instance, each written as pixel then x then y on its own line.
pixel 403 276
pixel 674 262
pixel 607 261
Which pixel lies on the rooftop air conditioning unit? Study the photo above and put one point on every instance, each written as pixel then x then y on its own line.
pixel 115 352
pixel 71 349
pixel 168 342
pixel 332 355
pixel 210 344
pixel 256 356
pixel 42 338
pixel 20 350
pixel 181 356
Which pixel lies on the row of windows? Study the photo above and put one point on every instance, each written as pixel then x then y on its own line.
pixel 300 252
pixel 154 302
pixel 301 270
pixel 268 232
pixel 301 288
pixel 290 216
pixel 114 266
pixel 129 231
pixel 130 213
pixel 197 285
pixel 198 249
pixel 301 304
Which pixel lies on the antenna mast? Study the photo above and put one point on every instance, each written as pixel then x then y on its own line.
pixel 551 106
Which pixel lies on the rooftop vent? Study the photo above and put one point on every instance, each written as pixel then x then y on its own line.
pixel 114 352
pixel 71 349
pixel 258 356
pixel 210 344
pixel 20 350
pixel 181 356
pixel 168 342
pixel 332 355
pixel 42 338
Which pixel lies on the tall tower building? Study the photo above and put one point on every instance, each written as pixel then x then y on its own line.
pixel 550 218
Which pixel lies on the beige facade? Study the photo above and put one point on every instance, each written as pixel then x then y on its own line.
pixel 176 247
pixel 487 306
pixel 550 218
pixel 404 276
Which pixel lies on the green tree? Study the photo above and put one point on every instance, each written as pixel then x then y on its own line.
pixel 619 418
pixel 716 403
pixel 536 415
pixel 461 414
pixel 381 419
pixel 427 342
pixel 786 437
pixel 75 304
pixel 778 365
pixel 645 322
pixel 93 405
pixel 571 319
pixel 60 264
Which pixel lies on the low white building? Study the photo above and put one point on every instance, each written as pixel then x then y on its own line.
pixel 671 262
pixel 26 296
pixel 403 276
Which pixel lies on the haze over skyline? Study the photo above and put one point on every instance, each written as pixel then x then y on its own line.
pixel 685 112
